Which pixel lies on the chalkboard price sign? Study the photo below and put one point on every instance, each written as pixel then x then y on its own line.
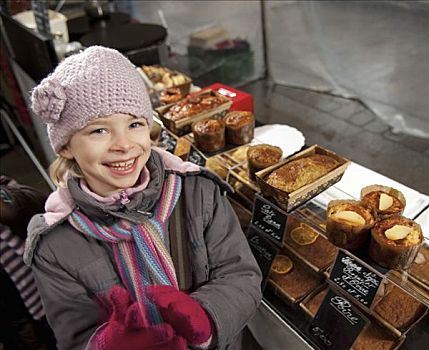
pixel 269 218
pixel 355 279
pixel 337 323
pixel 196 157
pixel 263 250
pixel 167 141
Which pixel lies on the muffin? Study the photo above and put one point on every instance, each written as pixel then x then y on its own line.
pixel 239 127
pixel 348 224
pixel 311 246
pixel 300 172
pixel 383 201
pixel 374 337
pixel 395 242
pixel 399 308
pixel 209 135
pixel 296 282
pixel 262 156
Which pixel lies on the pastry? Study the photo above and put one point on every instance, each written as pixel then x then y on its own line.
pixel 420 267
pixel 163 78
pixel 262 156
pixel 240 154
pixel 348 224
pixel 297 282
pixel 215 165
pixel 239 127
pixel 193 105
pixel 374 337
pixel 383 201
pixel 300 172
pixel 182 149
pixel 399 308
pixel 209 135
pixel 395 242
pixel 315 301
pixel 311 246
pixel 169 96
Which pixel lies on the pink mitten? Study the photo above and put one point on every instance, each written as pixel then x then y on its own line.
pixel 128 330
pixel 185 314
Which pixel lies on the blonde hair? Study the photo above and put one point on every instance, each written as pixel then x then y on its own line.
pixel 61 167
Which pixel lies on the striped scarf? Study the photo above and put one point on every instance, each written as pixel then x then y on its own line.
pixel 11 251
pixel 140 250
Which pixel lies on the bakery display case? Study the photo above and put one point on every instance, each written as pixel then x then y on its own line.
pixel 344 267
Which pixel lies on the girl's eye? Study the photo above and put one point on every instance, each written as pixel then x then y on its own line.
pixel 98 131
pixel 137 125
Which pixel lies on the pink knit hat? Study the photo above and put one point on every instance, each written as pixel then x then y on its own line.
pixel 95 83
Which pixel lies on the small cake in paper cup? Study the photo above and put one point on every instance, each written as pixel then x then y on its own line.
pixel 384 201
pixel 395 242
pixel 348 224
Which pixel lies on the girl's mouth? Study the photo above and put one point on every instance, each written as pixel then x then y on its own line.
pixel 123 168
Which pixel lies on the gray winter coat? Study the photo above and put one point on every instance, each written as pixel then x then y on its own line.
pixel 71 269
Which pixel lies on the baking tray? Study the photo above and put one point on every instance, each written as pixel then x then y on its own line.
pixel 183 126
pixel 289 201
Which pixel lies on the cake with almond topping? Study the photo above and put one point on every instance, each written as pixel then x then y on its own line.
pixel 395 242
pixel 383 201
pixel 348 224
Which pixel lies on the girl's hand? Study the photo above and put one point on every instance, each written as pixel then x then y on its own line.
pixel 185 314
pixel 127 329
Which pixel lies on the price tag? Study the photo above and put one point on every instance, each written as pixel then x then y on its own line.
pixel 167 141
pixel 40 10
pixel 337 323
pixel 269 218
pixel 196 157
pixel 356 280
pixel 263 250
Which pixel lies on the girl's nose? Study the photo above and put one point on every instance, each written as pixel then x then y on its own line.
pixel 121 143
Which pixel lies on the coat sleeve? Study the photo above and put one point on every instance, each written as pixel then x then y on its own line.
pixel 233 290
pixel 72 310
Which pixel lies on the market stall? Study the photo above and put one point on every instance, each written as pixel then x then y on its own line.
pixel 343 249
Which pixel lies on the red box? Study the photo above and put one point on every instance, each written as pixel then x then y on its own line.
pixel 241 101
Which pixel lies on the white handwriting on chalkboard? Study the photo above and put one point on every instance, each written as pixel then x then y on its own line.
pixel 268 218
pixel 263 251
pixel 344 307
pixel 321 334
pixel 350 264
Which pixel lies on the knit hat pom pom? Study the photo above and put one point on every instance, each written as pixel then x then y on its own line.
pixel 48 100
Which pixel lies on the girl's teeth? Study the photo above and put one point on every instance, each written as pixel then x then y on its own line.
pixel 122 165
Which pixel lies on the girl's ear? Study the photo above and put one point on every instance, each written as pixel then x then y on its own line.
pixel 66 153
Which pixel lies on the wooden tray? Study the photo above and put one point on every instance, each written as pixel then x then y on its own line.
pixel 183 126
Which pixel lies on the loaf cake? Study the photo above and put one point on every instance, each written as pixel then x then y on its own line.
pixel 262 156
pixel 374 337
pixel 348 224
pixel 399 308
pixel 193 105
pixel 313 304
pixel 395 242
pixel 383 201
pixel 420 267
pixel 297 282
pixel 300 172
pixel 240 127
pixel 315 248
pixel 209 135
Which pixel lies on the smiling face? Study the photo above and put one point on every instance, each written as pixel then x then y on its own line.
pixel 111 152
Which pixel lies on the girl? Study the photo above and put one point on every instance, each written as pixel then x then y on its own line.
pixel 109 254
